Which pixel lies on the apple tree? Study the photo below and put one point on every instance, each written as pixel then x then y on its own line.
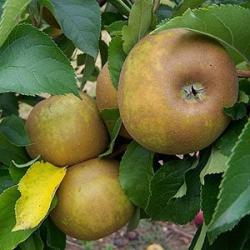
pixel 163 135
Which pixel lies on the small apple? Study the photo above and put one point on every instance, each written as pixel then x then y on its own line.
pixel 91 202
pixel 66 130
pixel 106 95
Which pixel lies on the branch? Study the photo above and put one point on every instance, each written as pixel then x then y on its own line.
pixel 243 73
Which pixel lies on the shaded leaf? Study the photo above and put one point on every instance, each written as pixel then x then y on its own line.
pixel 215 165
pixel 136 172
pixel 234 199
pixel 199 238
pixel 8 104
pixel 237 112
pixel 103 52
pixel 9 152
pixel 209 194
pixel 81 23
pixel 115 28
pixel 32 64
pixel 135 220
pixel 5 180
pixel 13 128
pixel 116 58
pixel 37 189
pixel 9 240
pixel 114 134
pixel 16 173
pixel 226 23
pixel 229 138
pixel 34 242
pixel 188 4
pixel 140 18
pixel 55 238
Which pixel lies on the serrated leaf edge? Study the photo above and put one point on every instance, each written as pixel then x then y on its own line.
pixel 212 239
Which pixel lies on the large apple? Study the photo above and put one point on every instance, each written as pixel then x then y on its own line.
pixel 173 88
pixel 106 95
pixel 91 202
pixel 66 130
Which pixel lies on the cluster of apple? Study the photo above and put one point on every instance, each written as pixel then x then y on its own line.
pixel 172 91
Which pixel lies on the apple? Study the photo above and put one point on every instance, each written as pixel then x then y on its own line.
pixel 106 95
pixel 91 202
pixel 173 87
pixel 66 130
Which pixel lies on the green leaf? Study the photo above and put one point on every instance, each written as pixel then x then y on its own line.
pixel 16 173
pixel 8 239
pixel 139 22
pixel 166 182
pixel 8 104
pixel 234 199
pixel 55 239
pixel 164 185
pixel 237 112
pixel 135 220
pixel 65 45
pixel 136 172
pixel 81 23
pixel 5 179
pixel 113 122
pixel 110 116
pixel 103 52
pixel 215 165
pixel 121 6
pixel 209 194
pixel 34 242
pixel 116 58
pixel 243 97
pixel 114 134
pixel 172 210
pixel 1 6
pixel 12 10
pixel 188 4
pixel 13 128
pixel 227 141
pixel 115 28
pixel 199 238
pixel 226 23
pixel 9 152
pixel 233 240
pixel 30 100
pixel 31 64
pixel 88 69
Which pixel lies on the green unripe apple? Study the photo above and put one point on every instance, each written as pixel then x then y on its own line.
pixel 66 130
pixel 172 91
pixel 91 202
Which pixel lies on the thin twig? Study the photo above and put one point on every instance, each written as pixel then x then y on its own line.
pixel 243 73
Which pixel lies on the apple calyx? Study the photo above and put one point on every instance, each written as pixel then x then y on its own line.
pixel 194 92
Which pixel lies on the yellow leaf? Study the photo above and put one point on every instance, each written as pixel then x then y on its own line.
pixel 37 188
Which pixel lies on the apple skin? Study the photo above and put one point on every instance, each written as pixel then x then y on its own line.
pixel 91 202
pixel 106 95
pixel 157 106
pixel 66 130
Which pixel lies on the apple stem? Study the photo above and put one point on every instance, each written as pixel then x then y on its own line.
pixel 243 73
